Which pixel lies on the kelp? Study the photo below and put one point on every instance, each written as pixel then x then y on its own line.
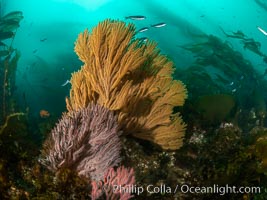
pixel 10 22
pixel 8 61
pixel 15 16
pixel 6 35
pixel 219 68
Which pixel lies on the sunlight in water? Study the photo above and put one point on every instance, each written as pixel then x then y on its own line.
pixel 88 4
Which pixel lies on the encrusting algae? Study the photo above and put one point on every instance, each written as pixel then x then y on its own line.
pixel 131 78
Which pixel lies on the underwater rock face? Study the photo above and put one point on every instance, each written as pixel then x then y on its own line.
pixel 215 108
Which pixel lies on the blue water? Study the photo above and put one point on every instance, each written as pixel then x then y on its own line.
pixel 50 27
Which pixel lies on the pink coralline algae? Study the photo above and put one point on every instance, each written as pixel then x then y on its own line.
pixel 117 184
pixel 86 141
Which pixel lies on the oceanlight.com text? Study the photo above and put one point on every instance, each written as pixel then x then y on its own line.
pixel 184 188
pixel 216 189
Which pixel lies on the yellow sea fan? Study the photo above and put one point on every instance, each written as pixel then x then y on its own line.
pixel 131 78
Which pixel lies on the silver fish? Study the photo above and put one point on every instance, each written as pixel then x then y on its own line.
pixel 261 30
pixel 64 84
pixel 234 90
pixel 142 30
pixel 159 25
pixel 143 39
pixel 136 17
